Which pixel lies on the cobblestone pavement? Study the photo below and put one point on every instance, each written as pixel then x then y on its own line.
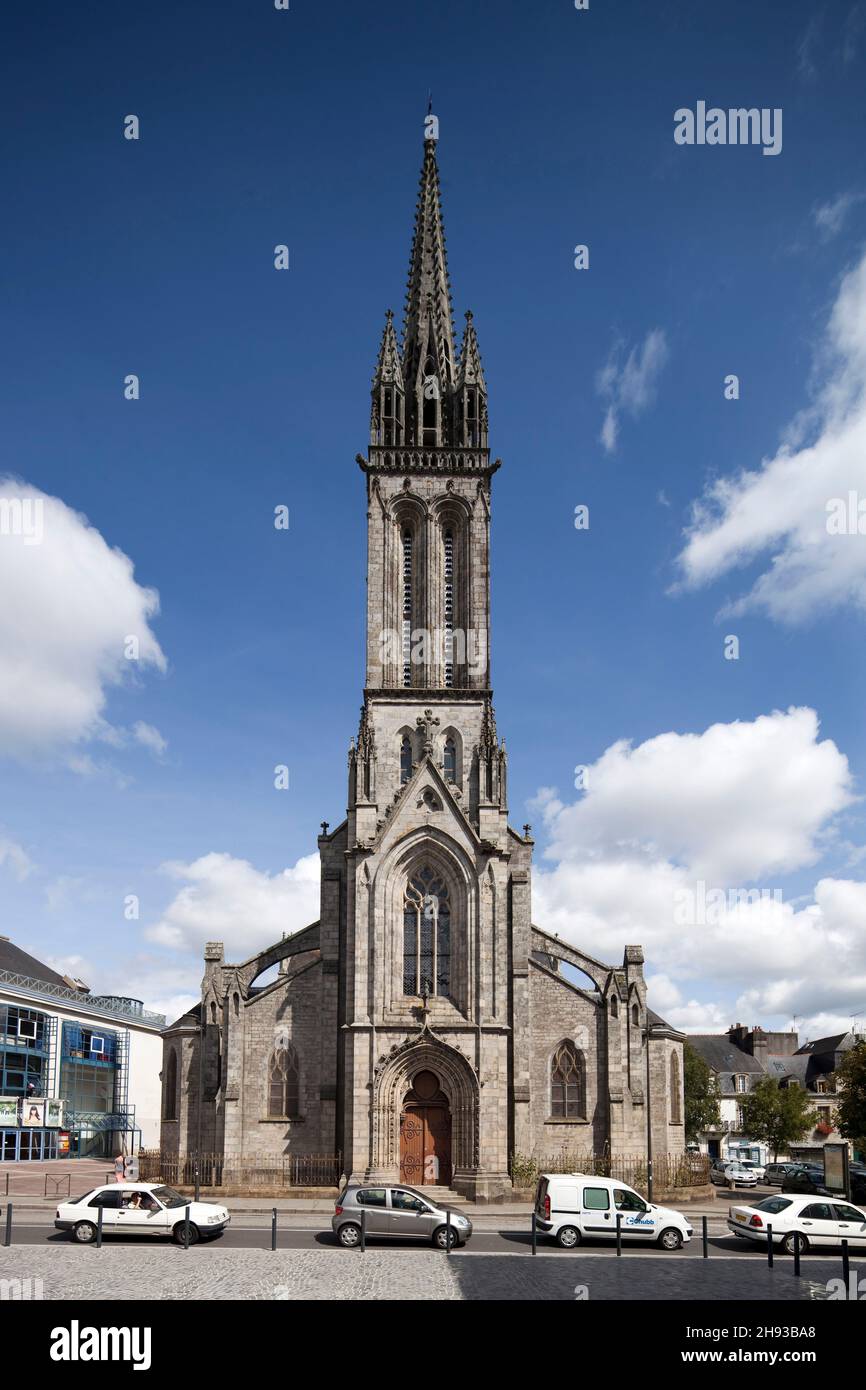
pixel 341 1275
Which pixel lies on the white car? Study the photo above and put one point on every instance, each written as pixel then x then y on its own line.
pixel 571 1206
pixel 820 1221
pixel 140 1209
pixel 750 1166
pixel 731 1173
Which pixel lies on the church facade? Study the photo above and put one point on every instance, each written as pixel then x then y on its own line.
pixel 423 1028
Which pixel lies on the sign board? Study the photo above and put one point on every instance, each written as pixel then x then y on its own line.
pixel 33 1113
pixel 8 1111
pixel 836 1168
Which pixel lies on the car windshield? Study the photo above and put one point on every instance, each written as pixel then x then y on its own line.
pixel 169 1197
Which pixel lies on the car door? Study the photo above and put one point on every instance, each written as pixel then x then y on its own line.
pixel 374 1200
pixel 108 1198
pixel 410 1215
pixel 596 1212
pixel 817 1224
pixel 148 1219
pixel 639 1219
pixel 850 1224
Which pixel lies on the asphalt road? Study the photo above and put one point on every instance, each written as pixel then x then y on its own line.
pixel 507 1240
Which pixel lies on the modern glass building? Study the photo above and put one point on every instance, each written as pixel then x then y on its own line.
pixel 79 1073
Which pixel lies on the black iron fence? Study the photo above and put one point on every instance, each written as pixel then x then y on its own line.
pixel 669 1170
pixel 240 1170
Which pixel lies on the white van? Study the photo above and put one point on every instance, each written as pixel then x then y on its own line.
pixel 572 1206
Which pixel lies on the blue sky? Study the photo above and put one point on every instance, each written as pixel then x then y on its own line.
pixel 155 257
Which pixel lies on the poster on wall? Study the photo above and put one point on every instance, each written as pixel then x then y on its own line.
pixel 54 1113
pixel 8 1110
pixel 33 1113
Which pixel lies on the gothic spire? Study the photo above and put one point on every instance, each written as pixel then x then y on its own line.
pixel 387 411
pixel 428 330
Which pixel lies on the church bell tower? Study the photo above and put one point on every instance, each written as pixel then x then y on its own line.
pixel 428 470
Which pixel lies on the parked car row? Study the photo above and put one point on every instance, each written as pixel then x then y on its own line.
pixel 569 1208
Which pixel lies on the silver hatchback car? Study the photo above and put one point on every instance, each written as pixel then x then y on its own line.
pixel 396 1211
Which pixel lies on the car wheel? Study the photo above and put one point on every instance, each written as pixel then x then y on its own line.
pixel 788 1243
pixel 178 1237
pixel 568 1237
pixel 84 1232
pixel 445 1238
pixel 349 1235
pixel 671 1239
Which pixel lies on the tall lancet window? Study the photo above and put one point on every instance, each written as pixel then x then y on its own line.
pixel 407 607
pixel 449 608
pixel 405 759
pixel 449 760
pixel 426 935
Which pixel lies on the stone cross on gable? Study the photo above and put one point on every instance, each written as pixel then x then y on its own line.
pixel 427 722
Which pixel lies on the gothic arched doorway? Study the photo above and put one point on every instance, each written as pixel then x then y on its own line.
pixel 425 1134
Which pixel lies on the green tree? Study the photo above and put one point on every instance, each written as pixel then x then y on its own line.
pixel 700 1094
pixel 851 1083
pixel 778 1115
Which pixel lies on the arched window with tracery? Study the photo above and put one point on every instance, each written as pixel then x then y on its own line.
pixel 568 1083
pixel 407 607
pixel 426 934
pixel 405 759
pixel 676 1106
pixel 170 1087
pixel 283 1088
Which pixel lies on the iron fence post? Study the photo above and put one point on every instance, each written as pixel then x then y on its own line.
pixel 770 1244
pixel 448 1232
pixel 705 1237
pixel 7 1239
pixel 186 1227
pixel 363 1228
pixel 619 1233
pixel 796 1254
pixel 273 1228
pixel 846 1266
pixel 534 1235
pixel 99 1227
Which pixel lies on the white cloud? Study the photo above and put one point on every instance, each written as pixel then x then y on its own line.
pixel 782 506
pixel 15 858
pixel 71 601
pixel 227 899
pixel 685 815
pixel 630 386
pixel 830 217
pixel 150 738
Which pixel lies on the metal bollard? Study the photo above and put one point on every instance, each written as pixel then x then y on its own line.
pixel 7 1240
pixel 705 1237
pixel 99 1228
pixel 363 1228
pixel 769 1244
pixel 534 1235
pixel 619 1233
pixel 796 1254
pixel 273 1228
pixel 186 1227
pixel 846 1266
pixel 448 1233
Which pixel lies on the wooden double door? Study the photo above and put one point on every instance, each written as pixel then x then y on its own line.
pixel 425 1134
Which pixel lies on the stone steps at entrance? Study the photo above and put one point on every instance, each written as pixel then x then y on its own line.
pixel 445 1195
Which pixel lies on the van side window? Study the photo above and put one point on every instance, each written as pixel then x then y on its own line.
pixel 596 1198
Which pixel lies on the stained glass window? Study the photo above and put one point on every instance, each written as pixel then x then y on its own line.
pixel 567 1083
pixel 426 935
pixel 283 1083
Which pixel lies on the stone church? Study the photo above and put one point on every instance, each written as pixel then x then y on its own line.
pixel 423 1028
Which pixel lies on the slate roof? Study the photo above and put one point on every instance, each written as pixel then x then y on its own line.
pixel 726 1060
pixel 19 962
